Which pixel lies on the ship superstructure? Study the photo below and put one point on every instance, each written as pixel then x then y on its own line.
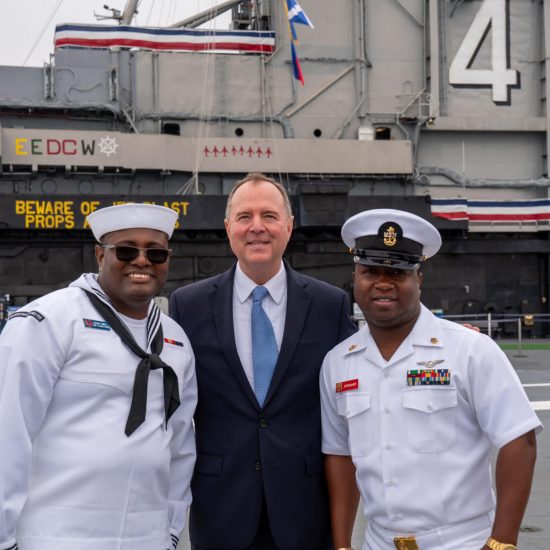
pixel 438 107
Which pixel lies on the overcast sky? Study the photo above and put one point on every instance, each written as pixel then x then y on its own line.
pixel 23 21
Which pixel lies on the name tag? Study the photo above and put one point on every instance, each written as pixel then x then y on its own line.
pixel 99 325
pixel 347 385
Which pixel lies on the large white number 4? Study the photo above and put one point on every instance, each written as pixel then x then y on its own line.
pixel 492 15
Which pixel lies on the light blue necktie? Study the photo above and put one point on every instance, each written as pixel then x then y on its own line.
pixel 264 345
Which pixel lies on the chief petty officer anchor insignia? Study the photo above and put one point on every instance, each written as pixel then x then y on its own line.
pixel 390 236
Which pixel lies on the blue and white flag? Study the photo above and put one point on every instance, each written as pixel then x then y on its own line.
pixel 296 14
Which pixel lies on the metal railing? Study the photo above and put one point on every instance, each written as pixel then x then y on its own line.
pixel 493 324
pixel 491 321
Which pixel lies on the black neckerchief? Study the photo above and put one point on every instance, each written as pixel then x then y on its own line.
pixel 149 361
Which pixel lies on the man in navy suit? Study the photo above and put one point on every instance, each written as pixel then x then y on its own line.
pixel 259 480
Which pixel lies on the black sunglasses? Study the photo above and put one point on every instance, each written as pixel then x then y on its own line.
pixel 126 253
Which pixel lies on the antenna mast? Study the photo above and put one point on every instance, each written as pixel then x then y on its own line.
pixel 130 9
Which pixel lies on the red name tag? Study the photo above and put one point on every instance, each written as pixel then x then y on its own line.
pixel 347 385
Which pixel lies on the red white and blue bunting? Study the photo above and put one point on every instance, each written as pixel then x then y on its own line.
pixel 485 215
pixel 161 39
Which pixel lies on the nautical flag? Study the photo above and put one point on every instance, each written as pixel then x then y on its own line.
pixel 296 67
pixel 296 15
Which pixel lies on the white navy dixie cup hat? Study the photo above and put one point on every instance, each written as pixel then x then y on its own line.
pixel 390 238
pixel 132 216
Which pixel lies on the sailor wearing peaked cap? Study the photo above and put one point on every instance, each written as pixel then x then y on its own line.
pixel 99 387
pixel 132 216
pixel 390 238
pixel 413 405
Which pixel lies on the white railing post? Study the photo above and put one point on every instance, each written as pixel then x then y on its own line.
pixel 520 345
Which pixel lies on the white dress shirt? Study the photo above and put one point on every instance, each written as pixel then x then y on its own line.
pixel 423 452
pixel 274 305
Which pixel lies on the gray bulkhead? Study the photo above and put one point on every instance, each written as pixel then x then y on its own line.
pixel 388 115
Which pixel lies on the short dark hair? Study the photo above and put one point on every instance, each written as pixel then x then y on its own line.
pixel 258 176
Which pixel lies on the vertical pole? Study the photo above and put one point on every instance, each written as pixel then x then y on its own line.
pixel 435 42
pixel 489 328
pixel 545 76
pixel 520 344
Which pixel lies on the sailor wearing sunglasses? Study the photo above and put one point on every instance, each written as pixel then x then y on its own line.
pixel 97 393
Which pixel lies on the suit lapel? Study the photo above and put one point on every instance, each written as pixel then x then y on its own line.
pixel 297 306
pixel 221 302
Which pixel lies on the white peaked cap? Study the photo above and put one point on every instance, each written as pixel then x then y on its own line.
pixel 132 216
pixel 390 237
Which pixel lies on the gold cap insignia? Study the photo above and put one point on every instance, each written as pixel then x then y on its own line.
pixel 390 236
pixel 352 347
pixel 434 340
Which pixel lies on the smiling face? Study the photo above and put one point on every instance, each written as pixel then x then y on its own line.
pixel 131 285
pixel 389 298
pixel 259 228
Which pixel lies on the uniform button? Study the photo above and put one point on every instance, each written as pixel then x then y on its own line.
pixel 429 407
pixel 397 517
pixel 257 466
pixel 386 410
pixel 389 482
pixel 387 446
pixel 386 375
pixel 348 412
pixel 263 423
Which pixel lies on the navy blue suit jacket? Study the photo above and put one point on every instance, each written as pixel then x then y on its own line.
pixel 246 453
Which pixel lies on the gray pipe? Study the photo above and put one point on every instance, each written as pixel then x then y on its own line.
pixel 458 180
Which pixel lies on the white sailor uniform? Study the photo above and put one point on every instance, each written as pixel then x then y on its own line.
pixel 70 479
pixel 420 429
